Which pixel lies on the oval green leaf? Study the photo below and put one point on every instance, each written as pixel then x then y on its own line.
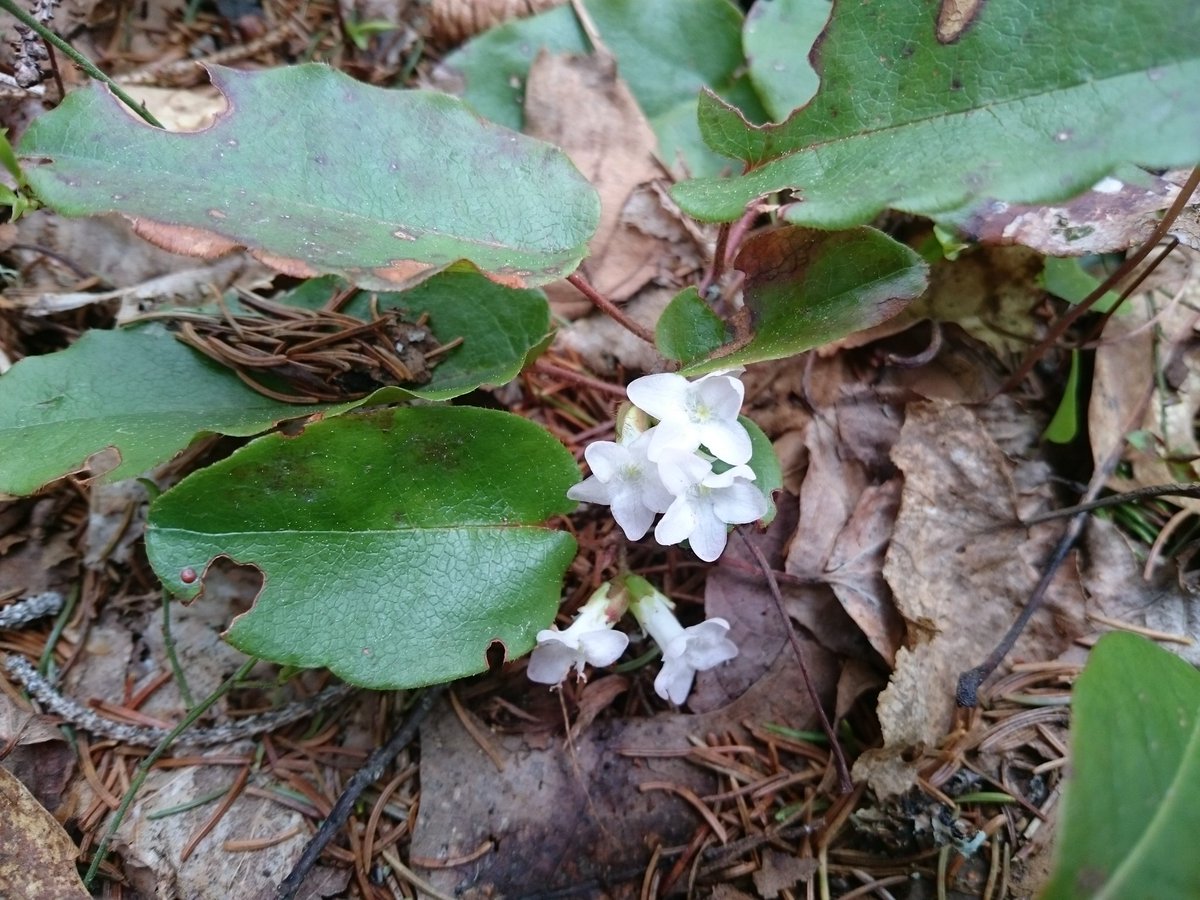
pixel 395 547
pixel 688 329
pixel 805 288
pixel 316 173
pixel 1131 817
pixel 1020 100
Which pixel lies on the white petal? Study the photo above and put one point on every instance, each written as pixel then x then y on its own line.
pixel 591 490
pixel 708 644
pixel 663 396
pixel 603 648
pixel 728 441
pixel 677 524
pixel 551 662
pixel 722 395
pixel 679 471
pixel 708 538
pixel 674 681
pixel 634 517
pixel 740 504
pixel 605 459
pixel 681 436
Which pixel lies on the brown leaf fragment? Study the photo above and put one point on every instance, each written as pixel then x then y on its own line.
pixel 960 569
pixel 955 17
pixel 452 22
pixel 581 104
pixel 1113 216
pixel 781 871
pixel 37 857
pixel 38 754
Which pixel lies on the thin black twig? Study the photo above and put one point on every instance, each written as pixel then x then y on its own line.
pixel 845 783
pixel 371 771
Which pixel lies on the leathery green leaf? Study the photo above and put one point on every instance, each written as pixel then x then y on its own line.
pixel 395 547
pixel 1130 813
pixel 1019 100
pixel 805 288
pixel 316 173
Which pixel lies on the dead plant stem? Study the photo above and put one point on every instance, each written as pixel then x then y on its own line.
pixel 845 783
pixel 603 304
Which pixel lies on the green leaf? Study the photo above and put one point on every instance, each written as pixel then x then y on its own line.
pixel 1131 813
pixel 1067 279
pixel 1035 100
pixel 765 463
pixel 317 173
pixel 775 33
pixel 1065 424
pixel 806 288
pixel 139 391
pixel 395 547
pixel 666 51
pixel 688 329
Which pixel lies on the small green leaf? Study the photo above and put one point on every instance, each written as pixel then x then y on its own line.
pixel 777 37
pixel 688 329
pixel 395 547
pixel 765 463
pixel 805 288
pixel 1131 810
pixel 139 391
pixel 317 173
pixel 1028 101
pixel 1065 424
pixel 1066 279
pixel 666 51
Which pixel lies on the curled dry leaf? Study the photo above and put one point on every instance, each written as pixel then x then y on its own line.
pixel 451 22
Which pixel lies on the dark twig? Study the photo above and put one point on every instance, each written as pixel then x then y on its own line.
pixel 845 783
pixel 363 778
pixel 1144 493
pixel 608 307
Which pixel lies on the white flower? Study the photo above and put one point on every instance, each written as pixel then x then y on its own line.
pixel 685 651
pixel 692 414
pixel 706 503
pixel 625 479
pixel 589 639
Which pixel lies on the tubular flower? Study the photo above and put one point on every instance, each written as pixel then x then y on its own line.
pixel 590 639
pixel 685 651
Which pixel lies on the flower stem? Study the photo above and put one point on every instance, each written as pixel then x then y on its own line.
pixel 602 303
pixel 47 35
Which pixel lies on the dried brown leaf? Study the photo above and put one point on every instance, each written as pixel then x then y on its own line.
pixel 37 857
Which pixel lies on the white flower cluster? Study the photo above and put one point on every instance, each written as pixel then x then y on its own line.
pixel 668 468
pixel 592 640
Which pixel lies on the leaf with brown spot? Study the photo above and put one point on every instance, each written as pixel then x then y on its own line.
pixel 316 173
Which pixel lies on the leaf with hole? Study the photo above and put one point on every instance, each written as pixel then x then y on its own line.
pixel 1130 813
pixel 316 173
pixel 1020 100
pixel 395 547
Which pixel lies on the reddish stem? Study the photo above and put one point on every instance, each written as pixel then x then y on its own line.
pixel 610 309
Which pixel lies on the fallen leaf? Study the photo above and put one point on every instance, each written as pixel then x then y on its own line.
pixel 37 857
pixel 37 752
pixel 612 145
pixel 961 570
pixel 781 871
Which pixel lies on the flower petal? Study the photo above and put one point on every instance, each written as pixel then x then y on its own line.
pixel 709 536
pixel 551 662
pixel 674 681
pixel 739 504
pixel 677 524
pixel 603 648
pixel 605 459
pixel 728 441
pixel 591 490
pixel 634 516
pixel 662 396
